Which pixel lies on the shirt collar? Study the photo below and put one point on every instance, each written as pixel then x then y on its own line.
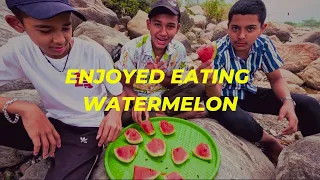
pixel 149 51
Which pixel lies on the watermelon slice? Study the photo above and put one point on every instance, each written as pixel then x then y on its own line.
pixel 156 147
pixel 144 173
pixel 207 52
pixel 173 176
pixel 179 155
pixel 166 128
pixel 148 127
pixel 133 136
pixel 126 153
pixel 202 151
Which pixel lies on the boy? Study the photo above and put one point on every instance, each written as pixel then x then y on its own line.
pixel 246 48
pixel 44 56
pixel 158 50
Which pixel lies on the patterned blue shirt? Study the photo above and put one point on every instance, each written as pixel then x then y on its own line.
pixel 262 55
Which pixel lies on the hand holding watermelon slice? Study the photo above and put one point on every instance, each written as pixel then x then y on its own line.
pixel 207 52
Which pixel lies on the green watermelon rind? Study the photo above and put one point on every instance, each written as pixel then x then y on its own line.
pixel 194 151
pixel 131 141
pixel 126 160
pixel 165 133
pixel 152 177
pixel 158 154
pixel 179 162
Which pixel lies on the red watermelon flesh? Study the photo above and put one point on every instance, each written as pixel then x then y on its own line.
pixel 156 147
pixel 166 128
pixel 126 153
pixel 144 173
pixel 179 155
pixel 207 52
pixel 148 127
pixel 133 136
pixel 202 151
pixel 173 176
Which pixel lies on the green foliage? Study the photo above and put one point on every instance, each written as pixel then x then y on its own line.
pixel 312 23
pixel 216 9
pixel 291 23
pixel 128 7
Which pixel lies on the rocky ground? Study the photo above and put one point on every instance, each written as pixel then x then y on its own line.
pixel 299 48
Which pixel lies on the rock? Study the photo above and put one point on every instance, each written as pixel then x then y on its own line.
pixel 240 159
pixel 194 47
pixel 311 75
pixel 23 168
pixel 220 30
pixel 183 39
pixel 30 95
pixel 6 31
pixel 99 171
pixel 120 28
pixel 296 57
pixel 16 85
pixel 260 76
pixel 106 36
pixel 200 21
pixel 211 27
pixel 196 10
pixel 289 27
pixel 293 88
pixel 275 39
pixel 194 56
pixel 313 37
pixel 261 84
pixel 197 31
pixel 138 25
pixel 94 10
pixel 191 36
pixel 300 160
pixel 279 30
pixel 206 37
pixel 125 20
pixel 10 157
pixel 291 78
pixel 37 171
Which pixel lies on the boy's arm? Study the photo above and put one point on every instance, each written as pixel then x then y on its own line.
pixel 270 65
pixel 40 130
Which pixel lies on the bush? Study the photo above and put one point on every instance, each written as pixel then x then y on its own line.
pixel 216 9
pixel 128 7
pixel 186 22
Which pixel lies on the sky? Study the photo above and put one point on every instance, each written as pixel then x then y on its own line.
pixel 277 10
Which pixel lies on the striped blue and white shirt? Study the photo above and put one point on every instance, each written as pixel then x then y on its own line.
pixel 262 55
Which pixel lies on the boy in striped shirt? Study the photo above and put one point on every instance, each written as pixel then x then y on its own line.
pixel 246 48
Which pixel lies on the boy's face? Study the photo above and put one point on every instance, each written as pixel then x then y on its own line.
pixel 163 28
pixel 243 31
pixel 52 35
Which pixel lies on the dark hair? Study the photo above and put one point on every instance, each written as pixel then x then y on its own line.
pixel 18 13
pixel 162 10
pixel 244 7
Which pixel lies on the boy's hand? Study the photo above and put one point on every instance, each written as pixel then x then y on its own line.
pixel 41 131
pixel 137 115
pixel 206 65
pixel 287 110
pixel 157 65
pixel 109 128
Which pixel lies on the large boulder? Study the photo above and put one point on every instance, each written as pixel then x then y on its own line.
pixel 313 37
pixel 200 21
pixel 19 84
pixel 108 37
pixel 297 56
pixel 10 157
pixel 137 26
pixel 6 31
pixel 196 10
pixel 94 10
pixel 300 160
pixel 311 75
pixel 184 40
pixel 291 78
pixel 280 30
pixel 240 159
pixel 37 170
pixel 220 30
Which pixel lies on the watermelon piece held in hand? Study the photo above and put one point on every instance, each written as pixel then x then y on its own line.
pixel 207 52
pixel 179 155
pixel 148 127
pixel 144 173
pixel 126 153
pixel 202 151
pixel 173 176
pixel 166 128
pixel 133 136
pixel 156 147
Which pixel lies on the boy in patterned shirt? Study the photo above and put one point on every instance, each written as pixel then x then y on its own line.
pixel 158 50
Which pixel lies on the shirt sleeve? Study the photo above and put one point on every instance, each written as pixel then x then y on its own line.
pixel 10 68
pixel 106 63
pixel 271 59
pixel 126 60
